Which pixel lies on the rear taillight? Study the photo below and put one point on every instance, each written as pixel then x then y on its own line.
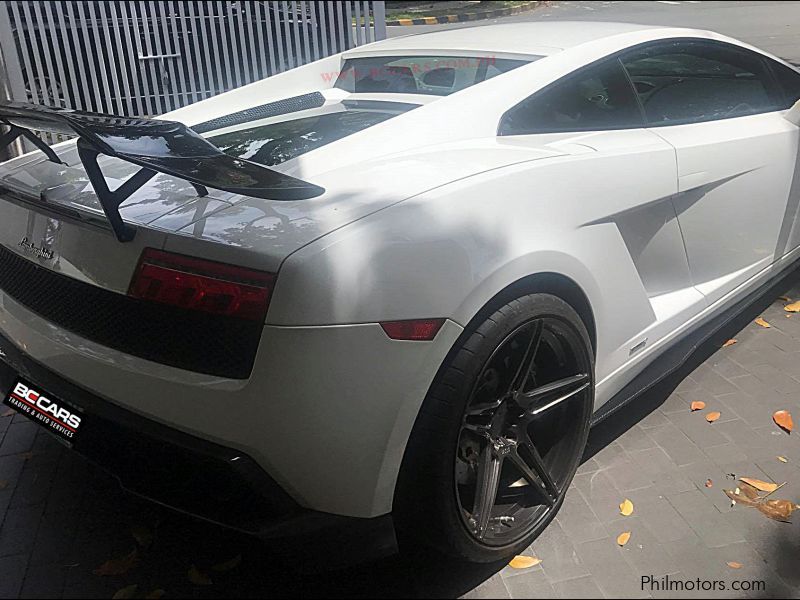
pixel 202 285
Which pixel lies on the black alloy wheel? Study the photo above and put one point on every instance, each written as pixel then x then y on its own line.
pixel 500 433
pixel 521 431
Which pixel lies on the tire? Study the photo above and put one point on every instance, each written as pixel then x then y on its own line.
pixel 451 452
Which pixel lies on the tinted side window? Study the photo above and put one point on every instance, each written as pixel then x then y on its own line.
pixel 690 82
pixel 597 98
pixel 789 80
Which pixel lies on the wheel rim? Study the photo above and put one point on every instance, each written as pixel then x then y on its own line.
pixel 523 430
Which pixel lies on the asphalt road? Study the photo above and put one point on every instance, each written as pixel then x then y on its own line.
pixel 773 26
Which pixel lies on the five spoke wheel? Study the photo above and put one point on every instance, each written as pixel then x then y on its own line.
pixel 521 430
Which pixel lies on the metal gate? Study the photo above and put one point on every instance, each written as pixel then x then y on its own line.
pixel 147 58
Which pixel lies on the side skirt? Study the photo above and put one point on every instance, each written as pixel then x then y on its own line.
pixel 685 348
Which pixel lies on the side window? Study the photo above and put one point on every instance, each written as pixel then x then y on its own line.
pixel 789 79
pixel 599 97
pixel 691 82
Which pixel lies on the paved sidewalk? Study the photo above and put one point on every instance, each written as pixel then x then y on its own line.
pixel 62 519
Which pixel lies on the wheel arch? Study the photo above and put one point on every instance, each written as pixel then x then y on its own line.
pixel 547 282
pixel 551 283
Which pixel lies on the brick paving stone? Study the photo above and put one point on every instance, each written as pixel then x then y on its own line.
pixel 611 572
pixel 582 587
pixel 705 519
pixel 12 573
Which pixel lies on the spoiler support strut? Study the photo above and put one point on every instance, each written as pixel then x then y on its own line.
pixel 154 145
pixel 15 132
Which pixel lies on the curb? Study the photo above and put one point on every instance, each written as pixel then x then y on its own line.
pixel 460 18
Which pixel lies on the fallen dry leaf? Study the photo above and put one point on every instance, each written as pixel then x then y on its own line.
pixel 524 562
pixel 794 307
pixel 228 565
pixel 779 510
pixel 761 486
pixel 735 565
pixel 783 459
pixel 788 316
pixel 763 323
pixel 697 405
pixel 118 566
pixel 142 535
pixel 197 577
pixel 27 455
pixel 623 538
pixel 737 497
pixel 126 592
pixel 785 298
pixel 748 490
pixel 155 594
pixel 783 419
pixel 729 343
pixel 713 416
pixel 709 483
pixel 626 508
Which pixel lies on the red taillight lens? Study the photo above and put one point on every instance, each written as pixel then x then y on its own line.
pixel 417 330
pixel 202 285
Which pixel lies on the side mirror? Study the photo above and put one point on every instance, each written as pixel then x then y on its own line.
pixel 793 114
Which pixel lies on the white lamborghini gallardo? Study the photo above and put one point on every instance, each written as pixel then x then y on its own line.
pixel 397 285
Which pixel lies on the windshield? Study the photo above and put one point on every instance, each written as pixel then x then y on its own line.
pixel 278 142
pixel 431 75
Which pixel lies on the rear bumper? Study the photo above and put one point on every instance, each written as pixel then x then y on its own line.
pixel 180 471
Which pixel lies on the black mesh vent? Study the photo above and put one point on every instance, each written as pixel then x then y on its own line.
pixel 209 344
pixel 272 109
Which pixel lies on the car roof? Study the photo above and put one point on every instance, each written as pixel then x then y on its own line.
pixel 540 38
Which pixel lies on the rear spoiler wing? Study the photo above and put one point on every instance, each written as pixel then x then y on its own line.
pixel 154 145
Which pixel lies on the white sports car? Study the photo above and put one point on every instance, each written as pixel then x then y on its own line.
pixel 396 286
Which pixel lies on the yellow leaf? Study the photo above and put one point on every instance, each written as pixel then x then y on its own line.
pixel 197 577
pixel 118 566
pixel 761 486
pixel 697 405
pixel 626 508
pixel 524 562
pixel 623 538
pixel 155 594
pixel 783 419
pixel 126 592
pixel 785 298
pixel 228 565
pixel 783 459
pixel 709 483
pixel 730 342
pixel 735 565
pixel 713 416
pixel 763 323
pixel 794 307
